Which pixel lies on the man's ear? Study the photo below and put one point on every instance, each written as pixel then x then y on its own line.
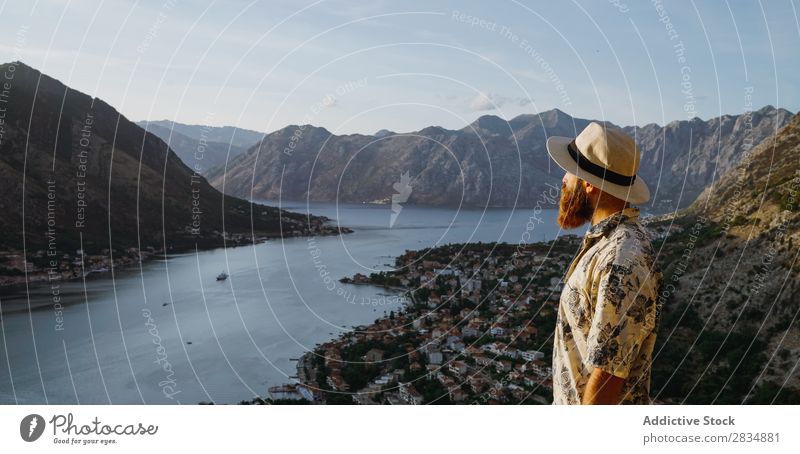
pixel 592 192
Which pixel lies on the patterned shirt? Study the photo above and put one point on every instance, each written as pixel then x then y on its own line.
pixel 608 312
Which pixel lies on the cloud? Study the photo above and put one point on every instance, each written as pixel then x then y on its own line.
pixel 330 101
pixel 486 101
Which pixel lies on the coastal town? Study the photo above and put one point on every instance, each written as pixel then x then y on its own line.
pixel 59 263
pixel 476 328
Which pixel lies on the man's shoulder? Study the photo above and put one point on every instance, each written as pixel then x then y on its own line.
pixel 627 260
pixel 629 244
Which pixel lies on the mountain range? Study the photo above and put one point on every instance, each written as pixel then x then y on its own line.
pixel 203 147
pixel 491 162
pixel 730 329
pixel 76 174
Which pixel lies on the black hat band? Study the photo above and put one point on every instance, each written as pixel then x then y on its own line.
pixel 596 170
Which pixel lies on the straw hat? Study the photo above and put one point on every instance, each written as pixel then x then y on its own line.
pixel 605 157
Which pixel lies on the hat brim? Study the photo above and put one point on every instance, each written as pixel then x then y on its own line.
pixel 636 193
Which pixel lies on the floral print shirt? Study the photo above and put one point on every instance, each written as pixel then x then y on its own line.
pixel 608 312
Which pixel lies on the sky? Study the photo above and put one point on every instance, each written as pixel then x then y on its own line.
pixel 358 67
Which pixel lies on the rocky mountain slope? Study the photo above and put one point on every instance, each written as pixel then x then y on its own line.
pixel 681 159
pixel 732 295
pixel 228 135
pixel 491 162
pixel 71 165
pixel 200 153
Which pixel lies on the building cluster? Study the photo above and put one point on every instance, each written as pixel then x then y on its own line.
pixel 477 329
pixel 43 265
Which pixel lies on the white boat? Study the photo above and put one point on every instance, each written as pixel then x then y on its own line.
pixel 222 276
pixel 96 271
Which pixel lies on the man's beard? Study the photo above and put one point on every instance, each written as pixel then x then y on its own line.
pixel 574 208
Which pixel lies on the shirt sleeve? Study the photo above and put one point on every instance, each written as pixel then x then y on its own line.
pixel 624 315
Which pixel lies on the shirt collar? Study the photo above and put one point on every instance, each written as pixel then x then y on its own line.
pixel 608 224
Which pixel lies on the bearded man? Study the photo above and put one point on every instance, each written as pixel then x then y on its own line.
pixel 609 310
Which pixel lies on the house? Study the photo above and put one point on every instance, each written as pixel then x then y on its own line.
pixel 431 371
pixel 502 365
pixel 374 355
pixel 511 352
pixel 456 394
pixel 470 330
pixel 532 355
pixel 482 360
pixel 430 264
pixel 455 343
pixel 337 383
pixel 427 281
pixel 541 369
pixel 495 348
pixel 434 354
pixel 393 399
pixel 446 381
pixel 518 392
pixel 438 375
pixel 457 367
pixel 477 383
pixel 397 373
pixel 409 394
pixel 470 284
pixel 457 346
pixel 527 333
pixel 333 358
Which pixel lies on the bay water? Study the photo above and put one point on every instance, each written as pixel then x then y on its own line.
pixel 169 332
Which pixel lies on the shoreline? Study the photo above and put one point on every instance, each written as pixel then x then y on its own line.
pixel 12 284
pixel 350 281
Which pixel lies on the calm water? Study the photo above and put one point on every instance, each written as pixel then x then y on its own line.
pixel 171 328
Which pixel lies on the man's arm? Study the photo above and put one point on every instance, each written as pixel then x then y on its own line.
pixel 602 388
pixel 625 314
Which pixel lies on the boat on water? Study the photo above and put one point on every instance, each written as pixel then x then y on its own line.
pixel 222 276
pixel 96 271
